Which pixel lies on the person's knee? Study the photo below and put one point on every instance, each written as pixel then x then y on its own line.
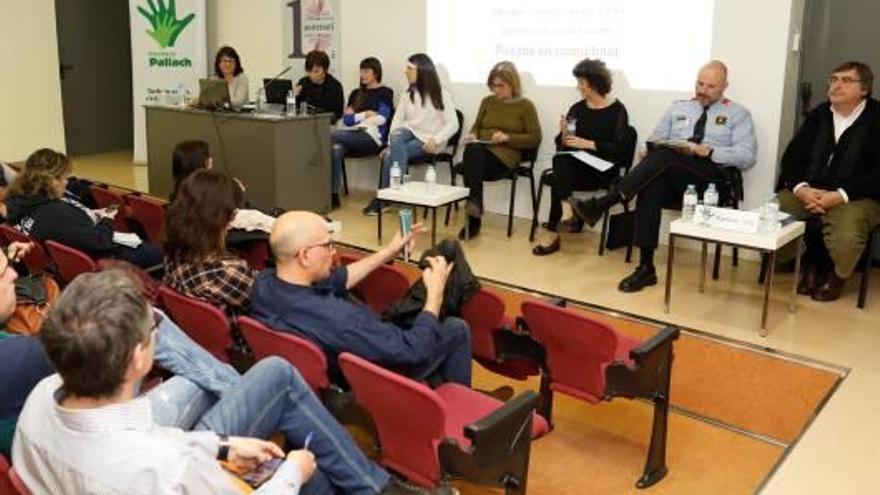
pixel 397 137
pixel 339 149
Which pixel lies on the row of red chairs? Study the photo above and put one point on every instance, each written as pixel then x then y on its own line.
pixel 147 211
pixel 10 482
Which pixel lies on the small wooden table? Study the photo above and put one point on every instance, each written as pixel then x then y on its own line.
pixel 430 196
pixel 767 243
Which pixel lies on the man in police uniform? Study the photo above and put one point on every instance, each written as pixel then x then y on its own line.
pixel 711 132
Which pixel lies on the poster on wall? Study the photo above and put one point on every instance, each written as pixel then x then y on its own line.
pixel 311 25
pixel 167 57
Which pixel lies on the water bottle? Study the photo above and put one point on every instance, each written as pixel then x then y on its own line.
pixel 689 203
pixel 710 197
pixel 769 219
pixel 290 108
pixel 431 177
pixel 261 100
pixel 395 175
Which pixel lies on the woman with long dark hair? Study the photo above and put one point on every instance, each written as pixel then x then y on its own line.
pixel 227 67
pixel 365 119
pixel 423 122
pixel 196 261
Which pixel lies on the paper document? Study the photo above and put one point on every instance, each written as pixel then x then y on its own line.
pixel 675 144
pixel 591 160
pixel 127 239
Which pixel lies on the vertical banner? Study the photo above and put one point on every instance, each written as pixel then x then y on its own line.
pixel 311 25
pixel 167 57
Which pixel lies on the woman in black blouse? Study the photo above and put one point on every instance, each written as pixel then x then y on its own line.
pixel 599 126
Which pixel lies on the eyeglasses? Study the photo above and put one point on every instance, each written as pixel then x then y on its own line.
pixel 158 318
pixel 843 80
pixel 229 60
pixel 328 244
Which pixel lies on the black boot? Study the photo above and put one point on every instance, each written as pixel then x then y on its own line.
pixel 643 276
pixel 591 210
pixel 474 224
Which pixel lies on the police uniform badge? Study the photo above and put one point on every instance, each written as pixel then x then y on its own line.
pixel 721 120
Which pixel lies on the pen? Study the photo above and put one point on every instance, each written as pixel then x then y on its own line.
pixel 308 440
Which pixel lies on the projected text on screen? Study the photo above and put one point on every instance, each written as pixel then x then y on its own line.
pixel 654 45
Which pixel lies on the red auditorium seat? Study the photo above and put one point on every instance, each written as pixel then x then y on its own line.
pixel 305 356
pixel 36 261
pixel 453 431
pixel 105 196
pixel 588 359
pixel 204 323
pixel 70 262
pixel 150 214
pixel 380 288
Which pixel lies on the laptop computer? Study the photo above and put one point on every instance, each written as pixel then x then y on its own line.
pixel 213 93
pixel 276 91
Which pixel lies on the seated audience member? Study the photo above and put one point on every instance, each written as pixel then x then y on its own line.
pixel 830 172
pixel 188 157
pixel 196 261
pixel 319 88
pixel 85 430
pixel 506 124
pixel 38 207
pixel 366 121
pixel 423 121
pixel 227 66
pixel 719 133
pixel 307 296
pixel 600 123
pixel 22 362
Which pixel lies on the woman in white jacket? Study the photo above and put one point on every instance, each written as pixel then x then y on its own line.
pixel 422 124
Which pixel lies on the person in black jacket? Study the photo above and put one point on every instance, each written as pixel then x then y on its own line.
pixel 319 88
pixel 830 173
pixel 38 207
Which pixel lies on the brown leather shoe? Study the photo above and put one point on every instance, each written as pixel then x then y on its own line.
pixel 551 248
pixel 830 290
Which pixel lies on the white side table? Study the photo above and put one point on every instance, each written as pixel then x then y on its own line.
pixel 431 196
pixel 767 243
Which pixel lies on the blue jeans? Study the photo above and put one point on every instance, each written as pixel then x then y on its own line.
pixel 403 146
pixel 270 397
pixel 180 355
pixel 352 143
pixel 453 362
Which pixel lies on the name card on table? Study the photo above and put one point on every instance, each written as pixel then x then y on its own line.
pixel 746 222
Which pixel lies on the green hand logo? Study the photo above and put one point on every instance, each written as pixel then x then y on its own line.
pixel 166 26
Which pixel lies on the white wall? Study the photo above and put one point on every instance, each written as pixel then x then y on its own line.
pixel 31 117
pixel 751 36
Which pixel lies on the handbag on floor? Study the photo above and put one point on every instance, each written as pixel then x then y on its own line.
pixel 621 227
pixel 34 295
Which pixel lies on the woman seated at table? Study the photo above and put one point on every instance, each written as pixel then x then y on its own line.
pixel 365 120
pixel 600 124
pixel 196 261
pixel 506 124
pixel 227 66
pixel 37 205
pixel 423 122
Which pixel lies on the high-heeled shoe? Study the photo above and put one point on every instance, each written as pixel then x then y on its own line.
pixel 551 248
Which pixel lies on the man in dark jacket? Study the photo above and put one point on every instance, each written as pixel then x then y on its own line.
pixel 830 174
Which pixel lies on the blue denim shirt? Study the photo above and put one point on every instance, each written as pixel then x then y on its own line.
pixel 323 314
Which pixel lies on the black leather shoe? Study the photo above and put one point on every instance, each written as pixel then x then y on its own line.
pixel 830 290
pixel 807 283
pixel 587 210
pixel 548 226
pixel 573 225
pixel 642 277
pixel 551 248
pixel 474 224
